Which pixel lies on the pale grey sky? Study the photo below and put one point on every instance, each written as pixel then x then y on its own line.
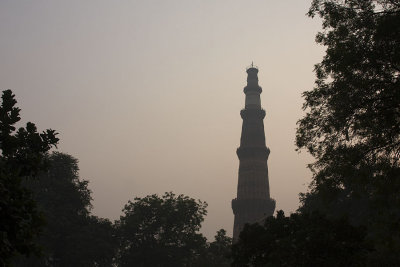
pixel 147 94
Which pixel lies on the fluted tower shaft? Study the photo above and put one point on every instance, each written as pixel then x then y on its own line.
pixel 253 202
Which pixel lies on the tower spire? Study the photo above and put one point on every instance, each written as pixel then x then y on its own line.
pixel 253 202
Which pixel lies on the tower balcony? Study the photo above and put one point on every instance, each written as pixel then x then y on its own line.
pixel 261 207
pixel 253 87
pixel 252 152
pixel 252 113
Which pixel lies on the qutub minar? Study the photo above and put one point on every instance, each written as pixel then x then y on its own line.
pixel 253 202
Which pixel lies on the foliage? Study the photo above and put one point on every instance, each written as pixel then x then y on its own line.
pixel 352 125
pixel 217 253
pixel 300 240
pixel 71 237
pixel 355 103
pixel 161 231
pixel 22 157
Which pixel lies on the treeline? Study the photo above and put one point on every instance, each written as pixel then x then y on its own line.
pixel 53 224
pixel 46 220
pixel 153 231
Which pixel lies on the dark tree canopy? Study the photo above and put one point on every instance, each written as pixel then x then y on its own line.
pixel 161 231
pixel 217 253
pixel 300 240
pixel 22 157
pixel 71 236
pixel 355 103
pixel 352 125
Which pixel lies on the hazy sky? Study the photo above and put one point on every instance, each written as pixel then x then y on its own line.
pixel 147 94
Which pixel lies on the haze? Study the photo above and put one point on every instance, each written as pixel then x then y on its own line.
pixel 147 94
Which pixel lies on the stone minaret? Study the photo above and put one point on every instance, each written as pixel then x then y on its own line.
pixel 253 202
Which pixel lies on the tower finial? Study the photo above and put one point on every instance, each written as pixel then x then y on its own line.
pixel 252 66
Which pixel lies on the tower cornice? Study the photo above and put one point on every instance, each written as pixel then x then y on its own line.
pixel 252 152
pixel 252 88
pixel 252 113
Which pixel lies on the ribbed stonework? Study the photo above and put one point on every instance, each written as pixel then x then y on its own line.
pixel 253 202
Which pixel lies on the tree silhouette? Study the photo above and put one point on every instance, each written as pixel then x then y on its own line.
pixel 301 239
pixel 352 125
pixel 218 252
pixel 22 158
pixel 161 231
pixel 71 236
